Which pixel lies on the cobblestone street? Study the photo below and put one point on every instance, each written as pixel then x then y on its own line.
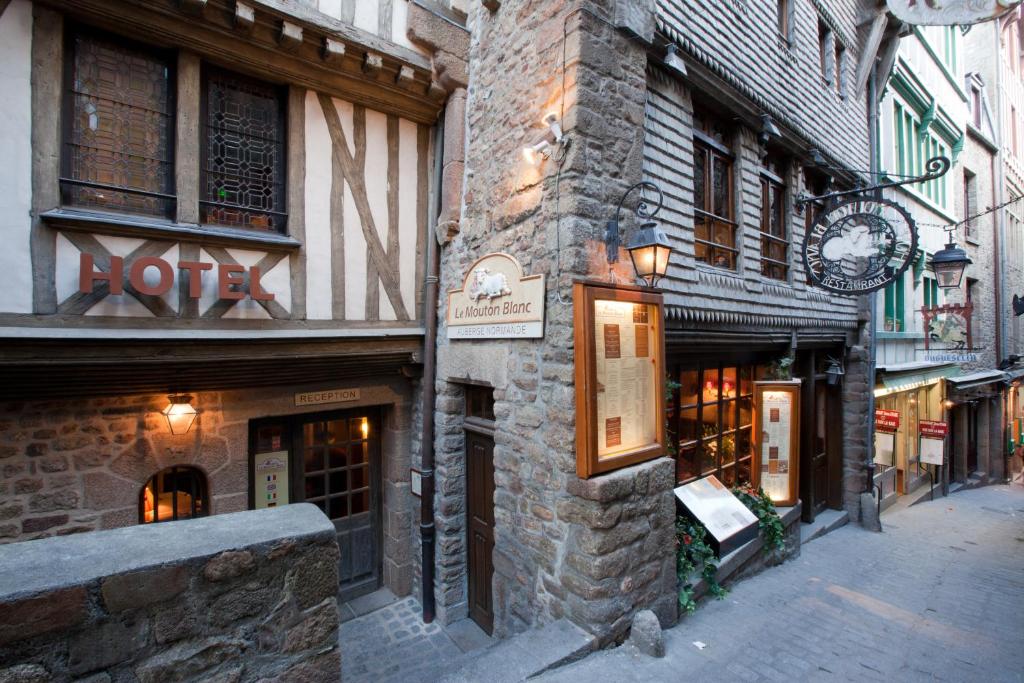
pixel 939 596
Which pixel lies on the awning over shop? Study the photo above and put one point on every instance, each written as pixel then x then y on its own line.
pixel 976 379
pixel 906 376
pixel 1014 375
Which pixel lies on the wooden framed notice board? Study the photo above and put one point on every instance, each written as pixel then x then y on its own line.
pixel 776 464
pixel 620 377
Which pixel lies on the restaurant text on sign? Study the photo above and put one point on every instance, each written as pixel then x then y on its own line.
pixel 231 278
pixel 934 430
pixel 887 420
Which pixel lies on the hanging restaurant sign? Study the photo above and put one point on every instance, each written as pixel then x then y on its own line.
pixel 947 333
pixel 860 246
pixel 950 12
pixel 496 301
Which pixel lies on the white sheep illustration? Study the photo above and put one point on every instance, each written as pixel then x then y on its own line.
pixel 488 285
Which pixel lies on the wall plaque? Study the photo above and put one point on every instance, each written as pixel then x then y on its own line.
pixel 315 398
pixel 776 465
pixel 620 377
pixel 859 246
pixel 270 475
pixel 729 522
pixel 496 301
pixel 950 12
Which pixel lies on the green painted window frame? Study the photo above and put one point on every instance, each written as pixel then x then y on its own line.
pixel 895 299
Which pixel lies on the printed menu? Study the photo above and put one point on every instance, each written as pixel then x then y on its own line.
pixel 626 413
pixel 776 449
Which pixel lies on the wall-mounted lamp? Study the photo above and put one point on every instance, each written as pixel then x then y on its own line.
pixel 834 372
pixel 544 148
pixel 949 405
pixel 673 61
pixel 179 413
pixel 768 130
pixel 648 248
pixel 949 265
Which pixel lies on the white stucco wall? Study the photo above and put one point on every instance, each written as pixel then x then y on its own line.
pixel 16 145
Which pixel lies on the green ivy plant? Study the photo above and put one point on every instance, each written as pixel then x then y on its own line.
pixel 693 554
pixel 768 521
pixel 781 369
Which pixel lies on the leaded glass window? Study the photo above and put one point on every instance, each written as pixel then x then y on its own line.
pixel 243 153
pixel 774 243
pixel 714 227
pixel 118 127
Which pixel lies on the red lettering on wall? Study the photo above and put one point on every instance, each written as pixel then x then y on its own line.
pixel 255 291
pixel 137 276
pixel 195 276
pixel 87 274
pixel 228 274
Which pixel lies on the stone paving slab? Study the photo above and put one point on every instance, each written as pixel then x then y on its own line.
pixel 392 645
pixel 938 596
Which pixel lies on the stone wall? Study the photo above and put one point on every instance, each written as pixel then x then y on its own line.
pixel 556 551
pixel 249 596
pixel 80 465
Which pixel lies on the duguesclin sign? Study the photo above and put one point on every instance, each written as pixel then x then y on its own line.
pixel 950 12
pixel 497 301
pixel 859 246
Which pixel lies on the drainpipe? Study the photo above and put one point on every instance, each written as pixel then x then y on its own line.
pixel 427 532
pixel 876 165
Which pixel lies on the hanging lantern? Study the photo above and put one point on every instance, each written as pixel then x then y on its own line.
pixel 179 413
pixel 649 249
pixel 949 265
pixel 834 372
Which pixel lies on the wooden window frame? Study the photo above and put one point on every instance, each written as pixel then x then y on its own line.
pixel 206 71
pixel 169 61
pixel 199 490
pixel 703 207
pixel 585 295
pixel 771 183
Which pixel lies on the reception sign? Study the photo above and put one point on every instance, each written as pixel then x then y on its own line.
pixel 496 301
pixel 620 377
pixel 777 440
pixel 950 12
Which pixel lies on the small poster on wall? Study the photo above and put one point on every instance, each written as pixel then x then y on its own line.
pixel 270 474
pixel 620 383
pixel 776 440
pixel 885 448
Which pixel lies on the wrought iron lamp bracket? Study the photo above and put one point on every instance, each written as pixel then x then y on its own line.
pixel 936 168
pixel 643 213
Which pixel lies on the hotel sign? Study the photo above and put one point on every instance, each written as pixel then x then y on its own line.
pixel 315 398
pixel 859 246
pixel 496 301
pixel 950 12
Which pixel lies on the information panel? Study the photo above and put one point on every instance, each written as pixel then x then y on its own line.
pixel 776 440
pixel 727 519
pixel 271 479
pixel 620 381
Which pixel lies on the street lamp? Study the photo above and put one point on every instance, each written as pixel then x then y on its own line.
pixel 648 248
pixel 949 265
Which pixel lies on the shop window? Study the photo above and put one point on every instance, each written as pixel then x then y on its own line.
pixel 711 412
pixel 172 494
pixel 242 150
pixel 713 203
pixel 774 242
pixel 895 305
pixel 118 130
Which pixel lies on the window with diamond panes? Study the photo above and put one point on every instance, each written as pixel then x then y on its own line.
pixel 118 131
pixel 711 412
pixel 242 183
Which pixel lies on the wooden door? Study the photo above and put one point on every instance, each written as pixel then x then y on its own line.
pixel 339 456
pixel 480 527
pixel 972 438
pixel 819 447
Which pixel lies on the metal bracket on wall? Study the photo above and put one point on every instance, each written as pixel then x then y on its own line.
pixel 936 168
pixel 643 212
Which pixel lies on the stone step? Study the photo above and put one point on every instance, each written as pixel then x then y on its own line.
pixel 824 522
pixel 527 654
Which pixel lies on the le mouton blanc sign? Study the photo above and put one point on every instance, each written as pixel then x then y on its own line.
pixel 950 12
pixel 496 301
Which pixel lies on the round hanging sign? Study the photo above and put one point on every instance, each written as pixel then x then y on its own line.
pixel 950 12
pixel 860 246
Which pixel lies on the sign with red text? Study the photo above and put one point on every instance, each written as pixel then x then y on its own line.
pixel 887 420
pixel 950 12
pixel 497 301
pixel 934 430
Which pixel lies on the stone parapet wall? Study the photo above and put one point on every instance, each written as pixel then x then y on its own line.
pixel 250 596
